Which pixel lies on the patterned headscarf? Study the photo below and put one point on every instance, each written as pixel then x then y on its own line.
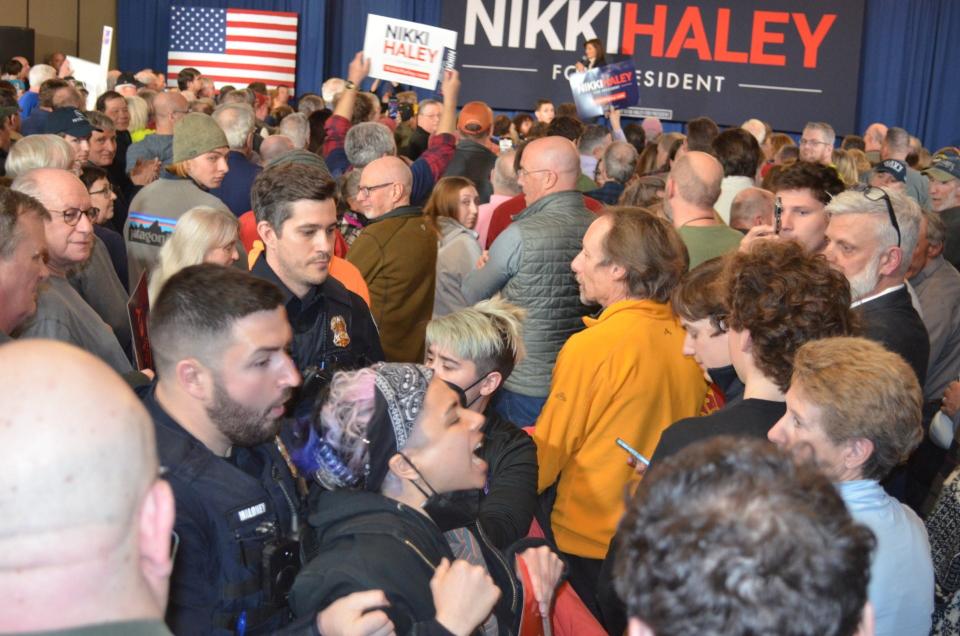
pixel 400 391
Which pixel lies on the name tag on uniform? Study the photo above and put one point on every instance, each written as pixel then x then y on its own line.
pixel 253 511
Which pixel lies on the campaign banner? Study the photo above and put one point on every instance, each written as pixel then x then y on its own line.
pixel 600 89
pixel 785 61
pixel 406 52
pixel 91 75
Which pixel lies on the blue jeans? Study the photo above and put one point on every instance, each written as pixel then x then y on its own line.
pixel 522 410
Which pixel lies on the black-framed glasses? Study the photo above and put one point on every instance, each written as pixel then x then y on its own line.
pixel 107 190
pixel 873 193
pixel 72 216
pixel 366 190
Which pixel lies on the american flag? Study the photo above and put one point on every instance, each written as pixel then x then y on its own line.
pixel 233 46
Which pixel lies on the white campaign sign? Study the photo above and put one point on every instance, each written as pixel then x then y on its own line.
pixel 93 76
pixel 406 52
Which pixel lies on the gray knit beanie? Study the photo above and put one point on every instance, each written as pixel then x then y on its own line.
pixel 196 134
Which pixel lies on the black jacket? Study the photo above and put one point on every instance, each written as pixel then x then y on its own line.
pixel 473 161
pixel 230 513
pixel 505 507
pixel 417 144
pixel 892 321
pixel 367 541
pixel 745 418
pixel 318 335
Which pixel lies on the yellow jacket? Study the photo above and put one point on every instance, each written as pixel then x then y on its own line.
pixel 625 376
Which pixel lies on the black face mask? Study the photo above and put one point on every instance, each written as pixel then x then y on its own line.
pixel 463 392
pixel 448 510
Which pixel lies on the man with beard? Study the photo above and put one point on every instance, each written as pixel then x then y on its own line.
pixel 219 339
pixel 871 238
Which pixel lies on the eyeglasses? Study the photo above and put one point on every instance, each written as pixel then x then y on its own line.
pixel 873 193
pixel 107 191
pixel 523 172
pixel 366 190
pixel 72 216
pixel 813 142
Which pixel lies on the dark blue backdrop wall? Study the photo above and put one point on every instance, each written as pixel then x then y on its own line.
pixel 905 79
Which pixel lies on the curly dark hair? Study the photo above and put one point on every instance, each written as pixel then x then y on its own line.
pixel 700 295
pixel 565 127
pixel 731 536
pixel 785 297
pixel 823 181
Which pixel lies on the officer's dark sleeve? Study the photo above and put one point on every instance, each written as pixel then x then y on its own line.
pixel 366 330
pixel 509 505
pixel 193 584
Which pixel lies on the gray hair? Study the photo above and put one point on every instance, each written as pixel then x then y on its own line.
pixel 40 73
pixel 331 88
pixel 99 121
pixel 368 141
pixel 620 161
pixel 39 151
pixel 237 121
pixel 239 96
pixel 936 228
pixel 898 139
pixel 825 128
pixel 905 209
pixel 296 126
pixel 593 136
pixel 504 176
pixel 310 104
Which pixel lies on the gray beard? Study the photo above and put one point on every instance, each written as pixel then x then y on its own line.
pixel 864 282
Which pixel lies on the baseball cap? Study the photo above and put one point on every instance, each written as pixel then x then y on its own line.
pixel 894 167
pixel 69 121
pixel 944 168
pixel 128 78
pixel 476 118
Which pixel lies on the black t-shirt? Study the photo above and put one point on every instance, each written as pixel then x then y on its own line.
pixel 746 418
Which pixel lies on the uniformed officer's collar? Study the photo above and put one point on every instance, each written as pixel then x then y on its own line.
pixel 329 288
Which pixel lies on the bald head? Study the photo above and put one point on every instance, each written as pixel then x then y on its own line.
pixel 750 207
pixel 77 458
pixel 873 136
pixel 549 165
pixel 697 176
pixel 56 189
pixel 275 146
pixel 165 106
pixel 385 170
pixel 80 496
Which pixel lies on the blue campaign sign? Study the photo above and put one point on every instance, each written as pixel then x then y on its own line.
pixel 600 89
pixel 788 61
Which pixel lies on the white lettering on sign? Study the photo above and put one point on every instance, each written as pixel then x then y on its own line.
pixel 251 512
pixel 493 28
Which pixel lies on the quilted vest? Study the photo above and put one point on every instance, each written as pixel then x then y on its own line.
pixel 551 233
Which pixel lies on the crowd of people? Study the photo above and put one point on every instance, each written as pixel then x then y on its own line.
pixel 419 368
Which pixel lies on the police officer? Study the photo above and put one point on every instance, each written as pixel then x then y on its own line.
pixel 296 213
pixel 219 339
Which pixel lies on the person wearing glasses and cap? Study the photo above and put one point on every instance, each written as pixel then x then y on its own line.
pixel 62 313
pixel 872 235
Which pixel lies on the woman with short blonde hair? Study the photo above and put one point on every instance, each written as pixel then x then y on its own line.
pixel 202 235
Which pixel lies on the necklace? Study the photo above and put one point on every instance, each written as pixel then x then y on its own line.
pixel 698 218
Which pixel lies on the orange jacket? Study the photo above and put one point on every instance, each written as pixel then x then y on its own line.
pixel 625 375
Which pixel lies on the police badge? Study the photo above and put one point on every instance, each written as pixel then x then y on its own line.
pixel 339 327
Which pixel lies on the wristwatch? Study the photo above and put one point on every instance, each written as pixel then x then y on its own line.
pixel 349 85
